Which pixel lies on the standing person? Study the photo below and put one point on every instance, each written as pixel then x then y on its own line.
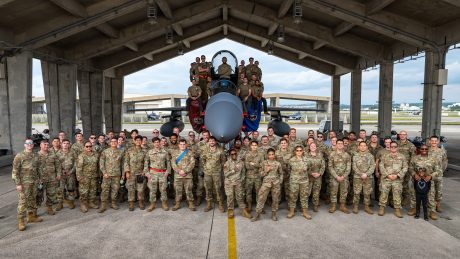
pixel 241 69
pixel 204 70
pixel 110 163
pixel 49 169
pixel 339 168
pixel 251 68
pixel 440 155
pixel 78 146
pixel 272 138
pixel 252 163
pixel 422 186
pixel 244 93
pixel 183 162
pixel 213 161
pixel 272 174
pixel 234 175
pixel 283 155
pixel 298 182
pixel 363 174
pixel 156 169
pixel 61 136
pixel 393 168
pixel 407 149
pixel 133 172
pixel 87 176
pixel 194 93
pixel 25 176
pixel 68 181
pixel 317 165
pixel 257 91
pixel 55 145
pixel 293 140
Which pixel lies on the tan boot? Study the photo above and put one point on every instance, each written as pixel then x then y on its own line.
pixel 71 204
pixel 59 206
pixel 291 213
pixel 315 208
pixel 333 207
pixel 93 205
pixel 50 210
pixel 141 205
pixel 256 217
pixel 151 207
pixel 176 206
pixel 368 210
pixel 398 213
pixel 305 214
pixel 208 206
pixel 274 217
pixel 433 215
pixel 355 208
pixel 83 207
pixel 21 224
pixel 191 206
pixel 114 205
pixel 381 211
pixel 198 201
pixel 250 207
pixel 245 213
pixel 131 205
pixel 411 212
pixel 230 214
pixel 343 208
pixel 438 207
pixel 103 207
pixel 164 205
pixel 221 207
pixel 34 218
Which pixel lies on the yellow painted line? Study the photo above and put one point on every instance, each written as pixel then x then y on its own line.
pixel 231 239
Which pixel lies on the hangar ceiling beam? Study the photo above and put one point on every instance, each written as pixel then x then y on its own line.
pixel 453 2
pixel 284 8
pixel 5 2
pixel 375 6
pixel 342 28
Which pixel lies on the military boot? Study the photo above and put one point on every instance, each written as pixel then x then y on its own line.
pixel 131 205
pixel 381 211
pixel 93 204
pixel 433 215
pixel 198 201
pixel 438 207
pixel 208 206
pixel 411 212
pixel 256 217
pixel 191 206
pixel 230 214
pixel 21 224
pixel 333 207
pixel 343 208
pixel 398 213
pixel 245 213
pixel 368 210
pixel 83 207
pixel 103 207
pixel 221 207
pixel 176 205
pixel 151 207
pixel 250 206
pixel 315 208
pixel 164 205
pixel 71 204
pixel 355 208
pixel 141 204
pixel 59 206
pixel 291 213
pixel 50 210
pixel 305 214
pixel 114 205
pixel 35 217
pixel 274 217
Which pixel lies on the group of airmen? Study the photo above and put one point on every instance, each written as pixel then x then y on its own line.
pixel 267 167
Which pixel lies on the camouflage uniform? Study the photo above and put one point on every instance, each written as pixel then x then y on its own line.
pixel 25 173
pixel 363 163
pixel 273 141
pixel 111 162
pixel 295 143
pixel 317 164
pixel 77 148
pixel 298 182
pixel 194 148
pixel 234 174
pixel 339 165
pixel 213 161
pixel 408 150
pixel 155 165
pixel 134 163
pixel 49 169
pixel 433 169
pixel 392 165
pixel 283 157
pixel 68 180
pixel 253 180
pixel 200 174
pixel 440 157
pixel 187 163
pixel 272 181
pixel 87 175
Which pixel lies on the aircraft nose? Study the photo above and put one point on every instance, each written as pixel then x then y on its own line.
pixel 223 116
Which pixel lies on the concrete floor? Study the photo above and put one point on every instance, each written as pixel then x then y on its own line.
pixel 186 234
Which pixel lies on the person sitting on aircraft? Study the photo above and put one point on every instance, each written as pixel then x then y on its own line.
pixel 258 70
pixel 241 70
pixel 224 70
pixel 192 71
pixel 209 86
pixel 241 78
pixel 244 92
pixel 257 93
pixel 204 71
pixel 194 93
pixel 251 68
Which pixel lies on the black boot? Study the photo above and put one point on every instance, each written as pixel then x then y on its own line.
pixel 417 211
pixel 425 213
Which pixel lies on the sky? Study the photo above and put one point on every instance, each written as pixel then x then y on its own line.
pixel 171 76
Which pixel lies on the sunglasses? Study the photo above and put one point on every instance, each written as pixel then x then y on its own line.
pixel 320 136
pixel 88 146
pixel 28 143
pixel 424 149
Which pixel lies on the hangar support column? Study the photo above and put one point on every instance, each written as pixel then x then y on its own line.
pixel 15 101
pixel 355 100
pixel 113 99
pixel 385 98
pixel 432 93
pixel 90 89
pixel 335 103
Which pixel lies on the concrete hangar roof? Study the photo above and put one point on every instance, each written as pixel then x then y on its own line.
pixel 121 37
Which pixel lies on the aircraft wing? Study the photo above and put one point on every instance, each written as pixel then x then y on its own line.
pixel 286 109
pixel 182 108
